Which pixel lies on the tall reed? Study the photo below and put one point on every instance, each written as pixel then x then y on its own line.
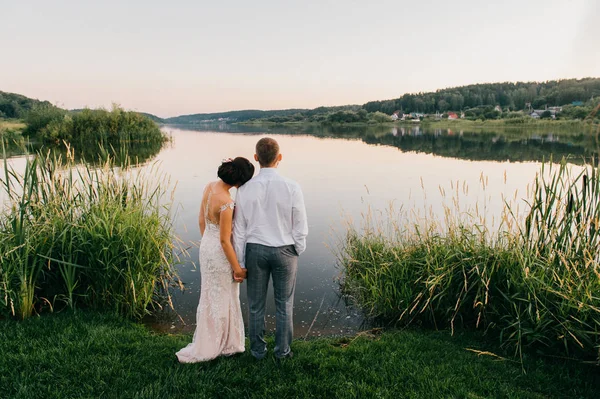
pixel 534 282
pixel 83 236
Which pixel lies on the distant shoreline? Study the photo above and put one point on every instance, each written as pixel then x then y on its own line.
pixel 459 123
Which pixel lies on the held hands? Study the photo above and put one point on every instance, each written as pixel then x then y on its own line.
pixel 240 275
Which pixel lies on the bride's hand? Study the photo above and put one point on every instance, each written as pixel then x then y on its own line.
pixel 240 275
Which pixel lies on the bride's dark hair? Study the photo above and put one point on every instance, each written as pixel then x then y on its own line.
pixel 236 172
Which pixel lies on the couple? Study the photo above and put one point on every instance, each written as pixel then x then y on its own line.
pixel 268 230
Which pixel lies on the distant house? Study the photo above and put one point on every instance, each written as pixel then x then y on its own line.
pixel 452 116
pixel 498 108
pixel 577 103
pixel 537 113
pixel 395 116
pixel 462 115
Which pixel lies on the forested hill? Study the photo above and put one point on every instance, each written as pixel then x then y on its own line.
pixel 246 115
pixel 512 96
pixel 238 116
pixel 16 106
pixel 153 117
pixel 515 96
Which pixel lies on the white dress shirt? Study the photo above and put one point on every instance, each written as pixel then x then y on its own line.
pixel 270 211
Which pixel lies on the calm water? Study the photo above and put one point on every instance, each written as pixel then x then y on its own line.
pixel 344 173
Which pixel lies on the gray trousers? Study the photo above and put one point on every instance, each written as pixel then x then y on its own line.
pixel 263 262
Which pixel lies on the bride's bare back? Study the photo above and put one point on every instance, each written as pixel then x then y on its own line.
pixel 215 200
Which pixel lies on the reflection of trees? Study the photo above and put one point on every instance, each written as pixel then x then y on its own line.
pixel 480 146
pixel 128 153
pixel 317 130
pixel 12 148
pixel 514 145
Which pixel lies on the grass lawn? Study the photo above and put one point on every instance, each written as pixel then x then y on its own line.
pixel 91 355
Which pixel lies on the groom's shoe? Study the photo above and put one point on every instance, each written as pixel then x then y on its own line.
pixel 258 356
pixel 288 356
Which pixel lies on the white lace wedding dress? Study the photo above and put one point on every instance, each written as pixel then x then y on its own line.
pixel 219 323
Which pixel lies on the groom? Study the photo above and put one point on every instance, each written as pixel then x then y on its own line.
pixel 270 231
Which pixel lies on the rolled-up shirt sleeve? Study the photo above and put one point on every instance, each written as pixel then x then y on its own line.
pixel 299 221
pixel 239 231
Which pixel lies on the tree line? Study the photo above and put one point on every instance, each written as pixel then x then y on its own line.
pixel 16 106
pixel 510 96
pixel 275 116
pixel 479 101
pixel 510 101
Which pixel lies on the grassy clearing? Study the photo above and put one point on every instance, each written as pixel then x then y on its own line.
pixel 11 124
pixel 92 355
pixel 10 135
pixel 533 284
pixel 83 237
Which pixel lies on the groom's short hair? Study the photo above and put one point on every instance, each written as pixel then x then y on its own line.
pixel 267 150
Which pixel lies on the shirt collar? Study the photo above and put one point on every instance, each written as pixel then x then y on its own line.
pixel 268 171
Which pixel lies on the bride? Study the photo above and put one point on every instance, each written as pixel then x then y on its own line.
pixel 219 323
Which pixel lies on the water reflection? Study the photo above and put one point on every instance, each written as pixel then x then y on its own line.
pixel 341 178
pixel 513 145
pixel 343 171
pixel 133 153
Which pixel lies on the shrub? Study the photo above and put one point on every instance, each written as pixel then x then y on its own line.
pixel 87 127
pixel 40 117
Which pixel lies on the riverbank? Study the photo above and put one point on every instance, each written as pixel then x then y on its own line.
pixel 85 354
pixel 503 123
pixel 443 124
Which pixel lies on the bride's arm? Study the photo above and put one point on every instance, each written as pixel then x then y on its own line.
pixel 226 222
pixel 201 220
pixel 201 215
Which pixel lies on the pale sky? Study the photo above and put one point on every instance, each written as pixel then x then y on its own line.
pixel 180 57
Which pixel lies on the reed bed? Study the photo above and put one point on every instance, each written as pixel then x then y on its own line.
pixel 92 126
pixel 533 282
pixel 81 236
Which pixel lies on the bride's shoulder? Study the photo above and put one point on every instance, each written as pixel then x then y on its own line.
pixel 221 198
pixel 224 202
pixel 209 187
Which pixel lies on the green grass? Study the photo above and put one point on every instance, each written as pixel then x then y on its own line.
pixel 87 355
